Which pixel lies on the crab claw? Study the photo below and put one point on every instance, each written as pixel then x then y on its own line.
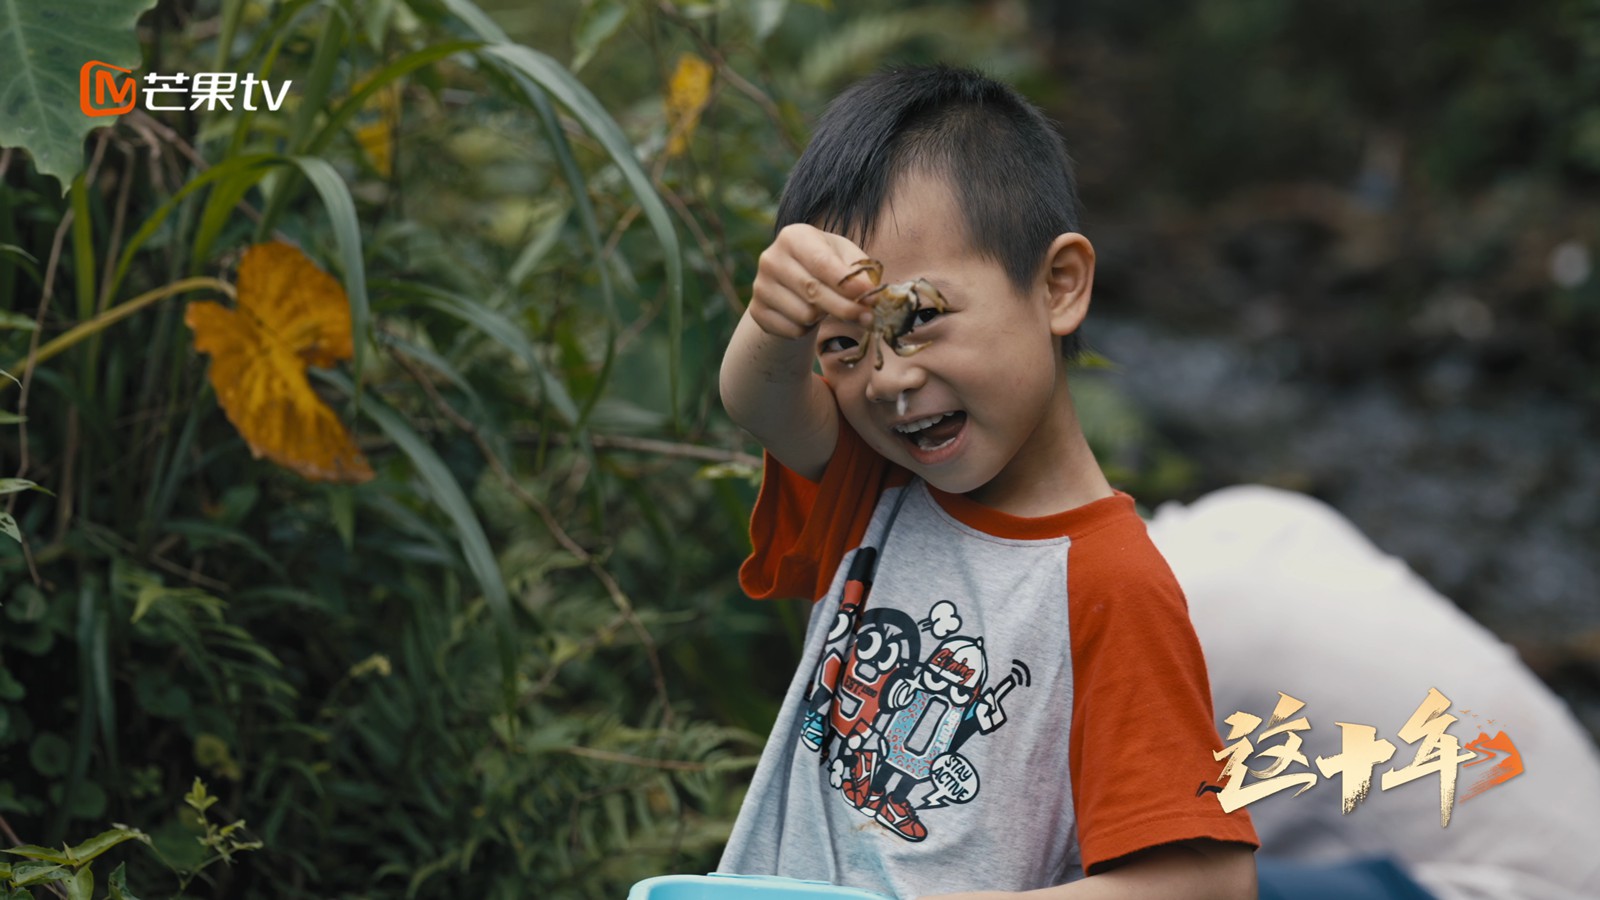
pixel 924 289
pixel 907 349
pixel 859 355
pixel 872 268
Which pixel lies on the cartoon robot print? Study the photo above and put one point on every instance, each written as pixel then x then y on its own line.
pixel 814 731
pixel 848 692
pixel 899 722
pixel 837 647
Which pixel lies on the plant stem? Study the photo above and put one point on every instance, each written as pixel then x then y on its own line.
pixel 111 316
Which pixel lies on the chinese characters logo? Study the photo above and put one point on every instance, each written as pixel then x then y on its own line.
pixel 107 90
pixel 1437 753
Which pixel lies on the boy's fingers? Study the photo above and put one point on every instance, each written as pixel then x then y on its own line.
pixel 829 257
pixel 846 258
pixel 812 264
pixel 814 289
pixel 778 311
pixel 781 308
pixel 800 313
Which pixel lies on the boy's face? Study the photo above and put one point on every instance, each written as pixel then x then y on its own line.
pixel 983 412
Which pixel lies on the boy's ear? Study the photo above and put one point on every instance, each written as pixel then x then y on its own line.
pixel 1068 281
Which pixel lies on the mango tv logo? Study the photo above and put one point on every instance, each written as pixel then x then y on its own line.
pixel 102 93
pixel 108 90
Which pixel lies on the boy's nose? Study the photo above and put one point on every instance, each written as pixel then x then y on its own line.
pixel 899 374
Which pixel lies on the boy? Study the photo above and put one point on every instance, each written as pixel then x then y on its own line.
pixel 1000 688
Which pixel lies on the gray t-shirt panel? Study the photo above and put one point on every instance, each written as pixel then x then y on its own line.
pixel 935 758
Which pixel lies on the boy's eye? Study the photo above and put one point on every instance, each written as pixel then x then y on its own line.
pixel 836 344
pixel 923 316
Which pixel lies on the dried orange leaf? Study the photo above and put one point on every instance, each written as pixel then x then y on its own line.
pixel 688 92
pixel 291 314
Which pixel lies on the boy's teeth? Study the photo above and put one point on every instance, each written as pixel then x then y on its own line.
pixel 918 425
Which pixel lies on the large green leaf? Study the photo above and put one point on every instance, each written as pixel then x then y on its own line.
pixel 105 840
pixel 81 885
pixel 43 45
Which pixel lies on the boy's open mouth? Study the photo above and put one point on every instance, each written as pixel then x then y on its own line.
pixel 933 432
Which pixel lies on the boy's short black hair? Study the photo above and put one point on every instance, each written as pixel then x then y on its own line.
pixel 1002 157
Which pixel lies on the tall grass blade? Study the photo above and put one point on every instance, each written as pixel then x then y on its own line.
pixel 453 502
pixel 571 93
pixel 347 233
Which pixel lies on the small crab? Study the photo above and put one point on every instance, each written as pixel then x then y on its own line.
pixel 894 311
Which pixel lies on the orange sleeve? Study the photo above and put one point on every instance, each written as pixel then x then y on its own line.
pixel 800 530
pixel 1143 737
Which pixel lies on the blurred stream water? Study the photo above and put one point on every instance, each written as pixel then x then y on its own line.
pixel 1490 496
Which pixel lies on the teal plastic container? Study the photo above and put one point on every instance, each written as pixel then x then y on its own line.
pixel 727 886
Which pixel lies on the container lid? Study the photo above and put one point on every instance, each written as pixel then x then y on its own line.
pixel 732 886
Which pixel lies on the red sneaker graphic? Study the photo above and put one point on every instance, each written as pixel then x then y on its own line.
pixel 869 806
pixel 859 782
pixel 899 815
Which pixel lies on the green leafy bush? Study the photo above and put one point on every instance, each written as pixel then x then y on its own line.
pixel 515 661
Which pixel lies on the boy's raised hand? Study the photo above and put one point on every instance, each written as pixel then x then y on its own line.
pixel 797 282
pixel 766 380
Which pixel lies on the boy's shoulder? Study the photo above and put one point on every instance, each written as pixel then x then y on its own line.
pixel 1117 558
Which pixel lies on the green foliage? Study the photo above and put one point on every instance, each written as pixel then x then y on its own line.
pixel 82 854
pixel 221 840
pixel 68 870
pixel 39 80
pixel 517 660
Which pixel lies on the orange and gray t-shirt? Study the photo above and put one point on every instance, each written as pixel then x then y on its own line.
pixel 1015 703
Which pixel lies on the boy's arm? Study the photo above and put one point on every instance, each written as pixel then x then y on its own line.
pixel 766 381
pixel 769 391
pixel 1198 869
